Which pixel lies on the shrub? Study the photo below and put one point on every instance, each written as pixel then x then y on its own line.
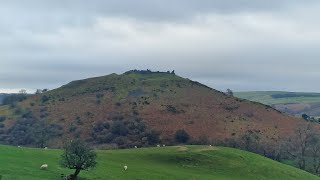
pixel 153 137
pixel 100 126
pixel 72 128
pixel 98 96
pixel 181 136
pixel 120 140
pixel 30 131
pixel 44 98
pixel 119 128
pixel 13 99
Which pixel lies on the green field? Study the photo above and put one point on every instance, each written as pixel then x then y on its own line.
pixel 182 162
pixel 266 97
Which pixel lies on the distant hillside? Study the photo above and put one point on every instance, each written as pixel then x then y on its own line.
pixel 140 108
pixel 295 103
pixel 180 162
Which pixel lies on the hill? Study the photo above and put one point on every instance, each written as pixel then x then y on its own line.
pixel 181 162
pixel 294 103
pixel 137 107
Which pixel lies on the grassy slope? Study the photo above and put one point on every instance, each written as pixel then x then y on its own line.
pixel 191 162
pixel 265 97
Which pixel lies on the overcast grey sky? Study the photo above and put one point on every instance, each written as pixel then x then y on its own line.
pixel 237 44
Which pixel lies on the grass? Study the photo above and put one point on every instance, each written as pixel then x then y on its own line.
pixel 120 84
pixel 265 97
pixel 187 162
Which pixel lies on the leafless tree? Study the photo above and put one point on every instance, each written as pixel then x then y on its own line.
pixel 299 143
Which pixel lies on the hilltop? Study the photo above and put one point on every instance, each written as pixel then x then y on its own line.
pixel 140 108
pixel 180 162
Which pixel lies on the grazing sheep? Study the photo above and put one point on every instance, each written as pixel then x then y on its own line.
pixel 163 145
pixel 210 145
pixel 45 148
pixel 158 145
pixel 125 167
pixel 19 146
pixel 44 167
pixel 135 147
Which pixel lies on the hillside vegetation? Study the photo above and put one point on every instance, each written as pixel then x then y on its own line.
pixel 142 108
pixel 179 162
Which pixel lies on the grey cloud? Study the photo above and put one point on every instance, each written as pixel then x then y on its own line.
pixel 242 45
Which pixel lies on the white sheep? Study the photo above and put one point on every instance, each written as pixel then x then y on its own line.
pixel 158 145
pixel 210 145
pixel 135 147
pixel 19 146
pixel 125 167
pixel 44 167
pixel 163 145
pixel 45 148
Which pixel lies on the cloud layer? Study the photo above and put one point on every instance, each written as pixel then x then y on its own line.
pixel 241 45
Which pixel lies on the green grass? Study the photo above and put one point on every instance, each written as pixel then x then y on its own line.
pixel 191 162
pixel 265 97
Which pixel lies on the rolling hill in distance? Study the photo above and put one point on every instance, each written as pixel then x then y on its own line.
pixel 294 103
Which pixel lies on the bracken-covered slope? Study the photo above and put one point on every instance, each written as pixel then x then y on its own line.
pixel 141 101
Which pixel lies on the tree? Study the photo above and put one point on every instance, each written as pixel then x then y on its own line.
pixel 250 141
pixel 79 156
pixel 119 128
pixel 305 117
pixel 229 92
pixel 23 91
pixel 315 152
pixel 153 137
pixel 298 145
pixel 182 136
pixel 38 91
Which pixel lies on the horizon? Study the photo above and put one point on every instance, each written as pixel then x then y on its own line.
pixel 32 91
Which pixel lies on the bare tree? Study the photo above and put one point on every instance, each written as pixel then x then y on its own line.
pixel 229 92
pixel 298 144
pixel 315 152
pixel 23 91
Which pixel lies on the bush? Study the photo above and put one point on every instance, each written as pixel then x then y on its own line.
pixel 30 131
pixel 120 140
pixel 100 126
pixel 153 137
pixel 44 99
pixel 13 99
pixel 72 128
pixel 119 128
pixel 181 136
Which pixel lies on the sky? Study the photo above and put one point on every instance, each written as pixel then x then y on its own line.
pixel 244 45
